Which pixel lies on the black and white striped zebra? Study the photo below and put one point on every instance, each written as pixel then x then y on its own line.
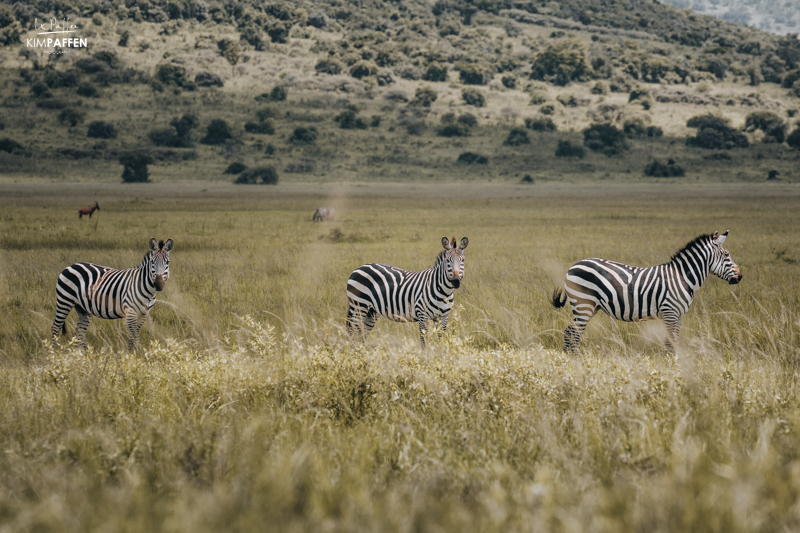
pixel 632 294
pixel 105 292
pixel 404 296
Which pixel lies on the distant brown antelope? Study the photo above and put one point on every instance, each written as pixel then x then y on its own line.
pixel 324 214
pixel 88 210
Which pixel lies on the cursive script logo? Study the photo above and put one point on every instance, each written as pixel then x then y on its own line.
pixel 59 28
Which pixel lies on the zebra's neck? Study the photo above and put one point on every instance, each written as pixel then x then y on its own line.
pixel 692 265
pixel 142 277
pixel 440 274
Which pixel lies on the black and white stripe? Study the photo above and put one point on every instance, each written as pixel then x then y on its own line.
pixel 95 290
pixel 632 293
pixel 404 296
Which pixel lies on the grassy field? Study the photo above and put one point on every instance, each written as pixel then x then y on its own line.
pixel 246 408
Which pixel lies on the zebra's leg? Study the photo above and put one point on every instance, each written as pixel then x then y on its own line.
pixel 80 329
pixel 135 322
pixel 444 325
pixel 673 323
pixel 582 313
pixel 423 329
pixel 360 322
pixel 59 323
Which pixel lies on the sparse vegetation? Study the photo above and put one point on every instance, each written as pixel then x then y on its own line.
pixel 264 175
pixel 101 130
pixel 473 97
pixel 604 138
pixel 658 169
pixel 567 149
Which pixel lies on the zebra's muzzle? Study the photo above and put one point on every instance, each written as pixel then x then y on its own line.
pixel 736 279
pixel 160 283
pixel 456 282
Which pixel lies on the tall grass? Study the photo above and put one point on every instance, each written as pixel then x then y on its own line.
pixel 248 408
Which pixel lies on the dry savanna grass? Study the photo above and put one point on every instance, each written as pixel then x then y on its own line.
pixel 246 408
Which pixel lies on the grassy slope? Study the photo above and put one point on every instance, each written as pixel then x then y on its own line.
pixel 388 152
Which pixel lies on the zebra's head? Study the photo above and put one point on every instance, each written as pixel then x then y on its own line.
pixel 453 258
pixel 158 262
pixel 721 263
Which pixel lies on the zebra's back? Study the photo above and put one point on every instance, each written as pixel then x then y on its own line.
pixel 97 290
pixel 625 292
pixel 387 289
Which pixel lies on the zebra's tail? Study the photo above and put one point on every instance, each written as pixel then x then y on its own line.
pixel 559 298
pixel 64 328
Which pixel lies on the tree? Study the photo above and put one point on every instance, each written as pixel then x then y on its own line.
pixel 135 166
pixel 229 49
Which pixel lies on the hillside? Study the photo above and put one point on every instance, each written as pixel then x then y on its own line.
pixel 394 91
pixel 769 15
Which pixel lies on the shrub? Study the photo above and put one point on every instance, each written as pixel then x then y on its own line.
pixel 538 98
pixel 423 97
pixel 178 136
pixel 473 97
pixel 793 139
pixel 101 130
pixel 540 124
pixel 714 134
pixel 790 78
pixel 235 168
pixel 171 74
pixel 90 65
pixel 56 79
pixel 517 137
pixel 266 127
pixel 396 96
pixel 328 66
pixel 87 90
pixel 375 121
pixel 657 169
pixel 318 19
pixel 413 125
pixel 304 166
pixel 363 68
pixel 9 145
pixel 654 131
pixel 562 62
pixel 278 93
pixel 41 90
pixel 264 175
pixel 770 123
pixel 436 72
pixel 600 88
pixel 123 38
pixel 135 166
pixel 304 135
pixel 71 116
pixel 52 104
pixel 217 133
pixel 527 178
pixel 567 149
pixel 348 120
pixel 634 127
pixel 471 74
pixel 453 130
pixel 468 119
pixel 470 158
pixel 509 82
pixel 266 113
pixel 604 138
pixel 208 79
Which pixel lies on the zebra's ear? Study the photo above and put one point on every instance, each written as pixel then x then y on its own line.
pixel 463 244
pixel 153 244
pixel 445 243
pixel 168 245
pixel 721 238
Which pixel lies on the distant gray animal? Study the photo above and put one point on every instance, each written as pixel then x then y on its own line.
pixel 324 214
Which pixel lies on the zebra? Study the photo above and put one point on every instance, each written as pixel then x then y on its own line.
pixel 404 296
pixel 95 290
pixel 324 214
pixel 634 294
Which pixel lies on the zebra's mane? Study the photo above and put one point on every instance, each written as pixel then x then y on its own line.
pixel 692 244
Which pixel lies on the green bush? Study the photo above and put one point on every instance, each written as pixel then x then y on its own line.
pixel 471 158
pixel 41 90
pixel 540 124
pixel 9 145
pixel 71 116
pixel 657 169
pixel 52 104
pixel 135 166
pixel 453 130
pixel 363 68
pixel 171 74
pixel 436 72
pixel 178 136
pixel 562 62
pixel 217 132
pixel 509 82
pixel 87 90
pixel 472 74
pixel 328 66
pixel 517 137
pixel 714 133
pixel 56 79
pixel 265 127
pixel 304 135
pixel 235 168
pixel 567 149
pixel 604 138
pixel 793 139
pixel 654 131
pixel 634 127
pixel 538 98
pixel 348 120
pixel 278 93
pixel 771 124
pixel 101 130
pixel 264 175
pixel 467 119
pixel 423 97
pixel 473 97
